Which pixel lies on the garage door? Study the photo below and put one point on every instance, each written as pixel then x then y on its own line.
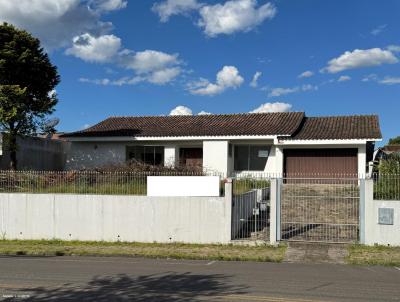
pixel 309 162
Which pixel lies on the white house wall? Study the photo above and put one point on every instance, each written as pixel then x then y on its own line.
pixel 95 154
pixel 215 156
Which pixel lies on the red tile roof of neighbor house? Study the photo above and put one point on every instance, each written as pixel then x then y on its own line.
pixel 293 124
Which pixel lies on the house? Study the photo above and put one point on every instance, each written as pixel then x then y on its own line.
pixel 386 152
pixel 284 142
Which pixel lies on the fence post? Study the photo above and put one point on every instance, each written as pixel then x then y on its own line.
pixel 362 211
pixel 274 215
pixel 228 210
pixel 367 219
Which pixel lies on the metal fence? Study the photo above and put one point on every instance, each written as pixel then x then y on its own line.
pixel 324 209
pixel 84 182
pixel 250 207
pixel 386 186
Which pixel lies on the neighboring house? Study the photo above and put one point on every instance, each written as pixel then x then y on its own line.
pixel 286 142
pixel 386 152
pixel 35 153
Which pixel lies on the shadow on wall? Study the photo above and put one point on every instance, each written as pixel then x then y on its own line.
pixel 180 287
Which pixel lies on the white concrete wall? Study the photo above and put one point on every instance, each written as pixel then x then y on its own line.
pixel 378 233
pixel 215 156
pixel 113 218
pixel 87 155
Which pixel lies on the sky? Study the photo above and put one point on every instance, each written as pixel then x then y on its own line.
pixel 131 57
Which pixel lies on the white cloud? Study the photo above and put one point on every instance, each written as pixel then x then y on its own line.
pixel 254 81
pixel 282 91
pixel 390 81
pixel 95 49
pixel 169 8
pixel 376 31
pixel 394 48
pixel 181 110
pixel 344 78
pixel 370 77
pixel 108 5
pixel 103 82
pixel 360 58
pixel 118 82
pixel 234 16
pixel 151 66
pixel 272 107
pixel 55 23
pixel 306 74
pixel 227 77
pixel 279 91
pixel 151 60
pixel 164 76
pixel 204 113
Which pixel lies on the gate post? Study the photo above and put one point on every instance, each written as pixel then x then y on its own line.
pixel 362 212
pixel 228 209
pixel 274 214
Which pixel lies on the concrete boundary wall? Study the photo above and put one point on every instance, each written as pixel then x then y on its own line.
pixel 376 233
pixel 113 218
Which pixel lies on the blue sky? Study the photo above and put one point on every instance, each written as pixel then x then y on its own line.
pixel 119 57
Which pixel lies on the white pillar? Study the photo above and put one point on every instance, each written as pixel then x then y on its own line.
pixel 228 210
pixel 362 160
pixel 171 155
pixel 273 218
pixel 279 161
pixel 215 156
pixel 369 220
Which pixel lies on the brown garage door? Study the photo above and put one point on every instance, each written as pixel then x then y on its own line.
pixel 326 162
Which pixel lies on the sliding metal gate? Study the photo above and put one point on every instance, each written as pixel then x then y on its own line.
pixel 250 209
pixel 320 209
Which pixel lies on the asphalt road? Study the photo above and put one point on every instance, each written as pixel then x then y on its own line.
pixel 135 279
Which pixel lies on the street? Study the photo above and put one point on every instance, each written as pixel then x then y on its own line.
pixel 137 279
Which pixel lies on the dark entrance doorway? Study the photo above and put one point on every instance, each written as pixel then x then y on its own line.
pixel 191 157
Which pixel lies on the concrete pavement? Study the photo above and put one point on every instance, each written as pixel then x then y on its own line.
pixel 136 279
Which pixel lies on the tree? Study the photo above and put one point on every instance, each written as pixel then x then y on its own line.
pixel 394 141
pixel 27 82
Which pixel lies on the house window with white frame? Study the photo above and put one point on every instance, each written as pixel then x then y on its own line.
pixel 250 157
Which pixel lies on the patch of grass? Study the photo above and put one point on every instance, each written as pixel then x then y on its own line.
pixel 374 255
pixel 244 185
pixel 150 250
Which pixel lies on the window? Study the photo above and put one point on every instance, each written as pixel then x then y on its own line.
pixel 151 155
pixel 250 157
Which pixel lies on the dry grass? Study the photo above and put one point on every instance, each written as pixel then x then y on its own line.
pixel 374 255
pixel 150 250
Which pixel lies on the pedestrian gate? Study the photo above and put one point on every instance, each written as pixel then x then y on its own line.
pixel 250 209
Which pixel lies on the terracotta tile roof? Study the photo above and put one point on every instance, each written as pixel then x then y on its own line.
pixel 280 123
pixel 294 124
pixel 339 127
